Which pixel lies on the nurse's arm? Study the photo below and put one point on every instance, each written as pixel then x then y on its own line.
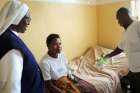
pixel 115 52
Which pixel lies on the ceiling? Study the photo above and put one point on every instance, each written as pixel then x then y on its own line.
pixel 80 1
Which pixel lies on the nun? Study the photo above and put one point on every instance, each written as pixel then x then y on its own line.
pixel 19 71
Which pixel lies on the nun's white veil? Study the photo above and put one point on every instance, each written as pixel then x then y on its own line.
pixel 12 13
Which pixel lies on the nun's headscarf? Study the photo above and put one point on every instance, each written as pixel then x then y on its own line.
pixel 12 13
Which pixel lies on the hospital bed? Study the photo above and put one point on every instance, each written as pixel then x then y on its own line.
pixel 105 79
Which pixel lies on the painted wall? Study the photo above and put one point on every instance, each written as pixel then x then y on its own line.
pixel 109 31
pixel 76 24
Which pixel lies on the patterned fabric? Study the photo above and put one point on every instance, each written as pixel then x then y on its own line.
pixel 85 87
pixel 74 86
pixel 68 87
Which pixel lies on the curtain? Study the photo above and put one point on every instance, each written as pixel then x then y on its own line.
pixel 135 8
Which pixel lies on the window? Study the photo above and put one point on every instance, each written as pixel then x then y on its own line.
pixel 135 9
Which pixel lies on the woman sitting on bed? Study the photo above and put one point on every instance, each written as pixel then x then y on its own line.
pixel 55 72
